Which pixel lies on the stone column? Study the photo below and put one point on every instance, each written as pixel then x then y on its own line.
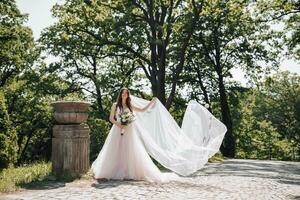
pixel 71 140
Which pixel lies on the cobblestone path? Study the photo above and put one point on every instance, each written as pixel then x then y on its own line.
pixel 230 179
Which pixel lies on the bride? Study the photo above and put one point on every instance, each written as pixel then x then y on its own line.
pixel 125 153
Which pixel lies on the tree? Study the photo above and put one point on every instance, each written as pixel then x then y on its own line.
pixel 29 99
pixel 84 57
pixel 229 36
pixel 26 91
pixel 269 120
pixel 286 13
pixel 283 104
pixel 8 137
pixel 142 33
pixel 17 51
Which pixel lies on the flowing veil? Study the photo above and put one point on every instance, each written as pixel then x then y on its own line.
pixel 183 150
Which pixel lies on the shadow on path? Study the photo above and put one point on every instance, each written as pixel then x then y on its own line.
pixel 50 182
pixel 42 185
pixel 283 172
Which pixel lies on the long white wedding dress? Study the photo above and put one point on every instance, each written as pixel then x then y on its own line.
pixel 183 150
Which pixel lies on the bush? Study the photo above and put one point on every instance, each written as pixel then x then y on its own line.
pixel 8 137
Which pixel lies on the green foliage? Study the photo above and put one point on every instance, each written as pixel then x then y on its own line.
pixel 84 57
pixel 31 116
pixel 228 37
pixel 269 124
pixel 110 44
pixel 99 131
pixel 286 13
pixel 27 88
pixel 177 109
pixel 17 51
pixel 8 136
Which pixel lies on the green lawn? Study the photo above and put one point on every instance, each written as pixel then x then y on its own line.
pixel 36 175
pixel 11 179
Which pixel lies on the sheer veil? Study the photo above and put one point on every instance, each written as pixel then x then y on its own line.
pixel 183 150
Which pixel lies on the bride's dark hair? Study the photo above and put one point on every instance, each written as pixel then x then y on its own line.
pixel 128 100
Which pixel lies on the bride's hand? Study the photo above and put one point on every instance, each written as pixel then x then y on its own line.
pixel 120 125
pixel 123 126
pixel 153 100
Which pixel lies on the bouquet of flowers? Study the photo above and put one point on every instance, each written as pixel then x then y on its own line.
pixel 126 118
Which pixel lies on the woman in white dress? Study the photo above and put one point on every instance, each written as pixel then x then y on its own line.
pixel 123 155
pixel 154 132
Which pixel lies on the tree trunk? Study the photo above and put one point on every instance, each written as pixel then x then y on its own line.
pixel 102 114
pixel 22 154
pixel 228 145
pixel 203 88
pixel 158 92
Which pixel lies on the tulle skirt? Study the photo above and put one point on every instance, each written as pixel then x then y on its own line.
pixel 125 157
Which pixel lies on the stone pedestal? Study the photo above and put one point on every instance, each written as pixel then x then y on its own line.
pixel 71 140
pixel 70 148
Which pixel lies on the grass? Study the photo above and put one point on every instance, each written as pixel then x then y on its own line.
pixel 36 175
pixel 12 178
pixel 217 157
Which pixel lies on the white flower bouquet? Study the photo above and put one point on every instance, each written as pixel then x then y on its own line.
pixel 126 118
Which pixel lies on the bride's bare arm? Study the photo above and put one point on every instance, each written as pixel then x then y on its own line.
pixel 112 116
pixel 145 108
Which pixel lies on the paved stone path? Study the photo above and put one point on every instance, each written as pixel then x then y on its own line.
pixel 230 179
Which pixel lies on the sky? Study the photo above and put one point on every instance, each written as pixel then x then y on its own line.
pixel 40 17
